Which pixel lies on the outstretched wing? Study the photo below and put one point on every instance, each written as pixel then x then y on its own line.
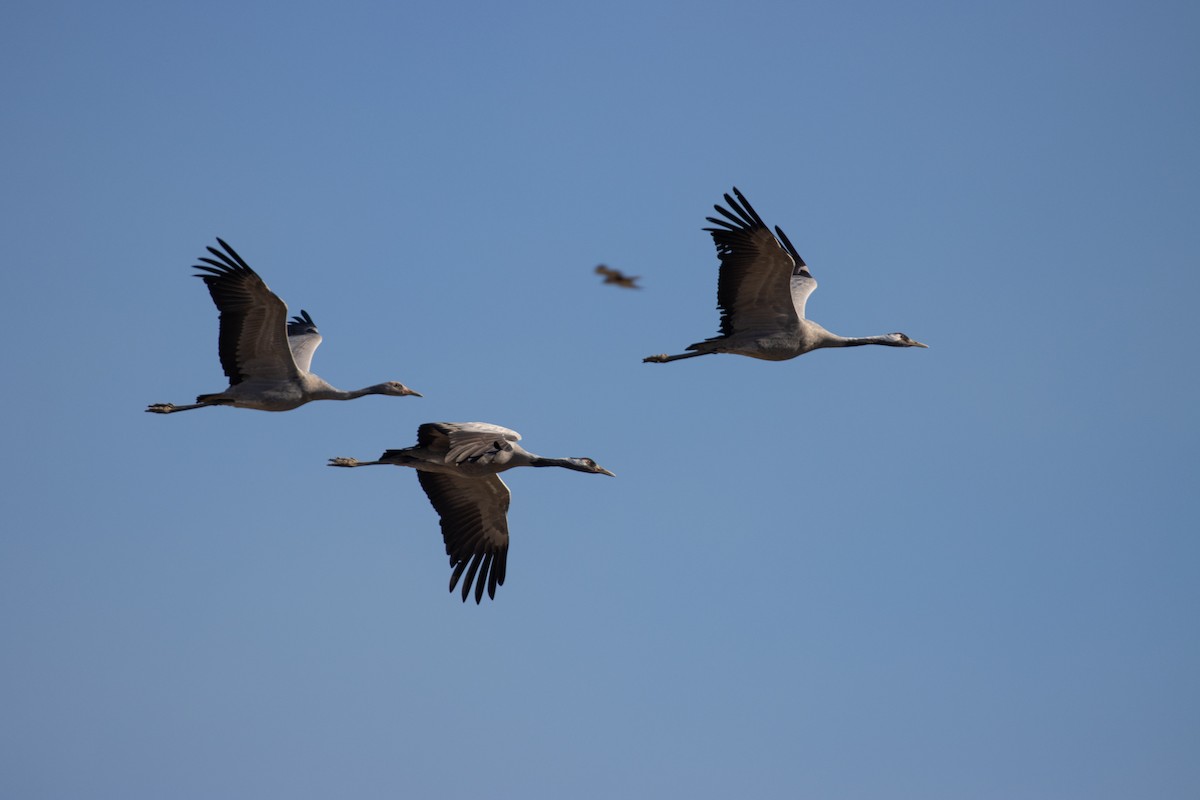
pixel 803 282
pixel 303 339
pixel 763 284
pixel 253 342
pixel 474 522
pixel 473 442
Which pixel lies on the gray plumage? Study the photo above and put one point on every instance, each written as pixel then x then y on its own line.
pixel 457 464
pixel 303 339
pixel 266 357
pixel 762 291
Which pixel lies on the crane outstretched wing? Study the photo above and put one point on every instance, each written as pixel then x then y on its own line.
pixel 474 523
pixel 303 339
pixel 253 341
pixel 764 284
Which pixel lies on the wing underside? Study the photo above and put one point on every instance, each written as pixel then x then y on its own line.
pixel 474 524
pixel 253 340
pixel 763 283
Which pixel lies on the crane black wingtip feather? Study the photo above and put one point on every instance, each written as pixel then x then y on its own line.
pixel 787 243
pixel 237 259
pixel 302 319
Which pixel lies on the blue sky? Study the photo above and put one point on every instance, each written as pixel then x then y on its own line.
pixel 962 572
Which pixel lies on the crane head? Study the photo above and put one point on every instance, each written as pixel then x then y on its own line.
pixel 586 465
pixel 901 340
pixel 397 389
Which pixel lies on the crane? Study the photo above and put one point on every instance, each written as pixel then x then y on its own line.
pixel 265 356
pixel 458 465
pixel 763 287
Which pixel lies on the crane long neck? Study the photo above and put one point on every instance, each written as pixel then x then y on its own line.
pixel 539 461
pixel 854 341
pixel 328 392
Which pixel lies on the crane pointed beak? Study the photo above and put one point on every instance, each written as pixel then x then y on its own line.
pixel 919 344
pixel 418 394
pixel 603 471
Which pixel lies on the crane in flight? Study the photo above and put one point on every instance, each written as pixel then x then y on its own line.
pixel 762 289
pixel 458 465
pixel 266 357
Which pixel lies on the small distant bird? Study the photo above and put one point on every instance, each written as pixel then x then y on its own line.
pixel 618 278
pixel 762 289
pixel 457 464
pixel 265 357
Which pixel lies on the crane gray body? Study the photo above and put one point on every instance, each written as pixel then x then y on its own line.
pixel 458 465
pixel 266 357
pixel 762 291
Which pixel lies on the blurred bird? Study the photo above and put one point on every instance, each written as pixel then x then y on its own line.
pixel 762 289
pixel 618 278
pixel 457 464
pixel 265 357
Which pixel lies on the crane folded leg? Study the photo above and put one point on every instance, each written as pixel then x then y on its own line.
pixel 663 358
pixel 171 408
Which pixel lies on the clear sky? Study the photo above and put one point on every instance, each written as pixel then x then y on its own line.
pixel 961 572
